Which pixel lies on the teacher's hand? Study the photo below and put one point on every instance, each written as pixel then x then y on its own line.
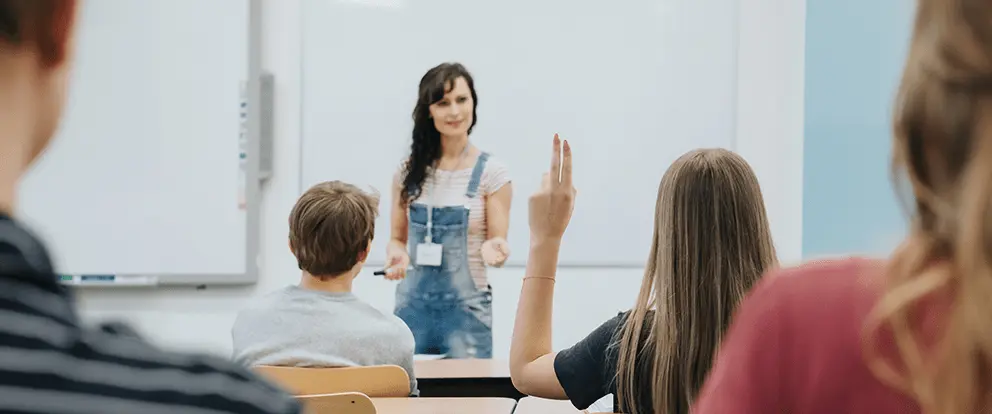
pixel 495 251
pixel 551 206
pixel 397 260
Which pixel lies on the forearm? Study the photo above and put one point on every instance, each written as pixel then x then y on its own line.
pixel 497 229
pixel 498 212
pixel 396 244
pixel 532 327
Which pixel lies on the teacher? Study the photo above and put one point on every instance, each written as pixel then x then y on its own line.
pixel 450 214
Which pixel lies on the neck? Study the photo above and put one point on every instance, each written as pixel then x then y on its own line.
pixel 14 148
pixel 337 284
pixel 9 174
pixel 453 146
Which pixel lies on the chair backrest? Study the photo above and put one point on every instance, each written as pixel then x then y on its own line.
pixel 376 381
pixel 339 403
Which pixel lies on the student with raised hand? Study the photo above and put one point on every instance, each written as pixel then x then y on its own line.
pixel 711 244
pixel 913 333
pixel 320 322
pixel 49 362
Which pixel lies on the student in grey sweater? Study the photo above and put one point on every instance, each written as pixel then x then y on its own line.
pixel 320 323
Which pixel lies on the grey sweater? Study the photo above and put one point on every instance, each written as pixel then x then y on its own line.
pixel 306 328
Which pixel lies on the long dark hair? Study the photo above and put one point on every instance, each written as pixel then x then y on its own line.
pixel 426 146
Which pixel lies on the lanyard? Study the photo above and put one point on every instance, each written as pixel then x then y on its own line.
pixel 431 195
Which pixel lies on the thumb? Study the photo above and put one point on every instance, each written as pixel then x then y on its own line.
pixel 504 247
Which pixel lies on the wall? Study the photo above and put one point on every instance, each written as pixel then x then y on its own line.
pixel 769 129
pixel 851 78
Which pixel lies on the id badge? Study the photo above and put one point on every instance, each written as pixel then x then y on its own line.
pixel 428 254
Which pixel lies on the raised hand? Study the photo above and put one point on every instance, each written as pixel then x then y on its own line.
pixel 551 206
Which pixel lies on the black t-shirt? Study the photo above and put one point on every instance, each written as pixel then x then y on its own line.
pixel 587 371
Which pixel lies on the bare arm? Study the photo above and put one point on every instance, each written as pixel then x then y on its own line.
pixel 532 363
pixel 397 259
pixel 399 221
pixel 531 358
pixel 498 212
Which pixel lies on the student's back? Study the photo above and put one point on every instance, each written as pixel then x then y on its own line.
pixel 49 362
pixel 320 322
pixel 912 334
pixel 307 328
pixel 802 351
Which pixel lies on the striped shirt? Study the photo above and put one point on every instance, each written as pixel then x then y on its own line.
pixel 450 190
pixel 49 363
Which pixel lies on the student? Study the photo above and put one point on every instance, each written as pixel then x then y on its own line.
pixel 711 244
pixel 320 323
pixel 911 334
pixel 49 362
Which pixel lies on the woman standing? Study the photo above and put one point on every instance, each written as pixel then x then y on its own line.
pixel 450 214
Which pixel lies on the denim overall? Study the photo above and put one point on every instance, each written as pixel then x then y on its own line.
pixel 447 313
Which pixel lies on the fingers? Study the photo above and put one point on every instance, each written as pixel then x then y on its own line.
pixel 556 161
pixel 566 165
pixel 504 249
pixel 395 273
pixel 396 265
pixel 546 181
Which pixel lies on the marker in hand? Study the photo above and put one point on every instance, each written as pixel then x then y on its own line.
pixel 386 270
pixel 397 262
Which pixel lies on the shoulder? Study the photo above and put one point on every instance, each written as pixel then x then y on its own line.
pixel 400 327
pixel 400 173
pixel 495 175
pixel 815 309
pixel 586 370
pixel 263 311
pixel 798 329
pixel 815 283
pixel 596 344
pixel 266 303
pixel 386 322
pixel 495 166
pixel 155 376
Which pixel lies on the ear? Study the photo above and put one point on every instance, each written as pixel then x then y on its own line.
pixel 363 256
pixel 56 43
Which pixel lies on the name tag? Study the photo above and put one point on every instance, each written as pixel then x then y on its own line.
pixel 428 254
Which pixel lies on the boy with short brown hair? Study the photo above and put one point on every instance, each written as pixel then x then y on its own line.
pixel 320 323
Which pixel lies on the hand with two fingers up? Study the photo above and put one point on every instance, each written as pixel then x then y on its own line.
pixel 550 208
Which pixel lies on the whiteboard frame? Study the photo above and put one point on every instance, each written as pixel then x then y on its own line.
pixel 253 180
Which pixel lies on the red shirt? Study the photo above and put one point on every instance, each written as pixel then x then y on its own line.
pixel 796 347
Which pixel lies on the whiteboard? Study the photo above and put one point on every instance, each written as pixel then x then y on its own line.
pixel 632 85
pixel 143 176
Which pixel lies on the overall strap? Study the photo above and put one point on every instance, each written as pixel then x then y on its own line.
pixel 480 166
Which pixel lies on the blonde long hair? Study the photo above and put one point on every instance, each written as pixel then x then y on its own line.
pixel 943 149
pixel 711 244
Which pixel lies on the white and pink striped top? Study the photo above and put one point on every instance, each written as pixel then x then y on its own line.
pixel 450 189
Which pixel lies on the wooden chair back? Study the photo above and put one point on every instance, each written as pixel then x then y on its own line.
pixel 375 381
pixel 338 403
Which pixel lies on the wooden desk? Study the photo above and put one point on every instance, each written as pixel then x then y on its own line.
pixel 461 368
pixel 465 378
pixel 534 405
pixel 443 405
